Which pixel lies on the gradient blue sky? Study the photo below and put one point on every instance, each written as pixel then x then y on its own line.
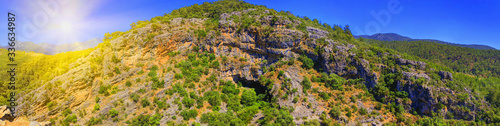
pixel 464 22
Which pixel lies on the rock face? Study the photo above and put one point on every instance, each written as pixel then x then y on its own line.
pixel 421 65
pixel 288 43
pixel 427 99
pixel 410 75
pixel 5 115
pixel 6 120
pixel 445 75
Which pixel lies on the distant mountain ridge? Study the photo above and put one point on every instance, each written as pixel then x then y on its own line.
pixel 397 37
pixel 51 49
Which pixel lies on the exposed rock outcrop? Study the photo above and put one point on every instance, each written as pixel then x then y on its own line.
pixel 419 64
pixel 445 75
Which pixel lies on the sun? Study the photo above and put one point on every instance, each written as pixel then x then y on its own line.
pixel 66 27
pixel 65 31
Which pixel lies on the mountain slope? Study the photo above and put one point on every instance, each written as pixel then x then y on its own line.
pixel 396 37
pixel 484 63
pixel 51 49
pixel 231 62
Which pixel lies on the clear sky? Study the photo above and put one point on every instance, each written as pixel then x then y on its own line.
pixel 457 21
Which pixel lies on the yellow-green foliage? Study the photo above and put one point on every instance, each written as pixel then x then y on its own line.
pixel 20 59
pixel 46 67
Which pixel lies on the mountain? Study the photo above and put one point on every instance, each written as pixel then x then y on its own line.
pixel 51 49
pixel 72 46
pixel 29 46
pixel 385 37
pixel 397 37
pixel 234 63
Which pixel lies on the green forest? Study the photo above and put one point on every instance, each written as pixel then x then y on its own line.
pixel 484 63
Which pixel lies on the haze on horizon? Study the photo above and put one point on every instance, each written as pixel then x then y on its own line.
pixel 462 22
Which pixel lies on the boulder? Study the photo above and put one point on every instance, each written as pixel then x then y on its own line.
pixel 4 111
pixel 445 75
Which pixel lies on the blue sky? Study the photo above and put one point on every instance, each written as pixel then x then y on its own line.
pixel 464 22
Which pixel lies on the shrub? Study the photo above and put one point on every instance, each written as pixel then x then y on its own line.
pixel 324 95
pixel 302 26
pixel 114 59
pixel 188 102
pixel 440 106
pixel 215 64
pixel 378 106
pixel 216 118
pixel 247 113
pixel 139 65
pixel 281 73
pixel 96 107
pixel 212 56
pixel 213 98
pixel 335 82
pixel 117 70
pixel 201 33
pixel 152 73
pixel 296 99
pixel 306 84
pixel 353 98
pixel 104 90
pixel 400 109
pixel 51 105
pixel 66 112
pixel 113 112
pixel 69 119
pixel 178 76
pixel 146 120
pixel 186 115
pixel 155 27
pixel 335 112
pixel 248 97
pixel 229 88
pixel 284 118
pixel 354 108
pixel 135 97
pixel 224 59
pixel 94 121
pixel 128 84
pixel 212 78
pixel 348 114
pixel 243 59
pixel 306 62
pixel 402 94
pixel 145 102
pixel 362 111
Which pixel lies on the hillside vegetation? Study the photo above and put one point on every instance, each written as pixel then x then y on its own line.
pixel 234 63
pixel 484 63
